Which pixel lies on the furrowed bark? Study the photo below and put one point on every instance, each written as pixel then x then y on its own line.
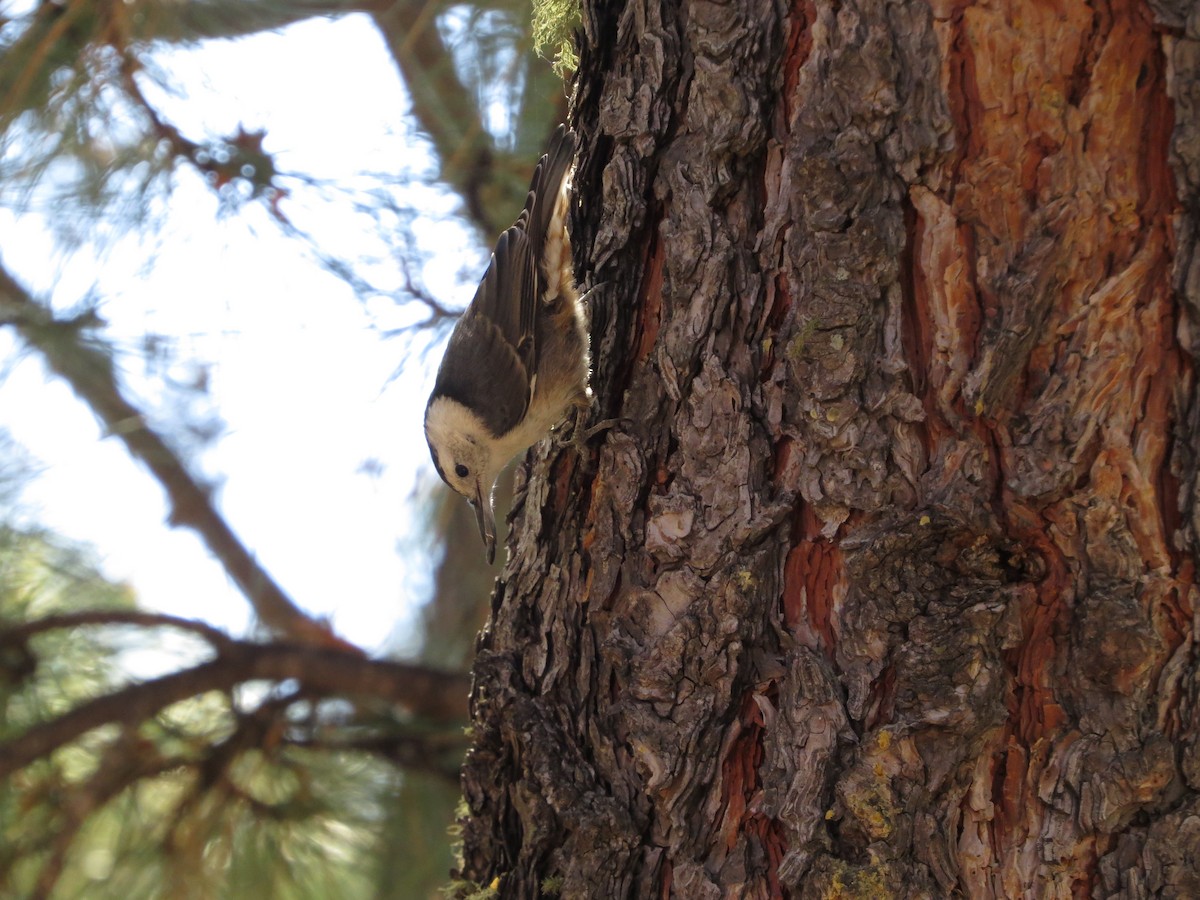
pixel 886 588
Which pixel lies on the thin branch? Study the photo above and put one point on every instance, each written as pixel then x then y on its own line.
pixel 427 693
pixel 19 634
pixel 91 374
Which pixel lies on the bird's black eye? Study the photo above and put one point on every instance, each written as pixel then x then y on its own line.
pixel 461 471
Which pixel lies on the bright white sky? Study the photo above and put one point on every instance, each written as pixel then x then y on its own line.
pixel 298 374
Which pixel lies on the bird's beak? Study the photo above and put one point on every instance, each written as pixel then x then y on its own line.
pixel 485 517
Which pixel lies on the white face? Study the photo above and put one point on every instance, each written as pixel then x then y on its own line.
pixel 459 446
pixel 460 464
pixel 461 453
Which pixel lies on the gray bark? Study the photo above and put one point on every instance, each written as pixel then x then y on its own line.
pixel 885 586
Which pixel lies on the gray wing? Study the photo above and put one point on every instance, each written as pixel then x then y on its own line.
pixel 511 301
pixel 490 357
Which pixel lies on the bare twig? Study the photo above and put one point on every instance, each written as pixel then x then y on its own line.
pixel 364 289
pixel 437 312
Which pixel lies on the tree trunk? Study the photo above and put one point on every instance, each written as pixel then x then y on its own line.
pixel 884 585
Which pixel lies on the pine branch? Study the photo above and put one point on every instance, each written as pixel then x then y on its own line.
pixel 90 372
pixel 491 182
pixel 125 763
pixel 441 104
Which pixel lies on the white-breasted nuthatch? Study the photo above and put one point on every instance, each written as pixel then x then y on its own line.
pixel 517 360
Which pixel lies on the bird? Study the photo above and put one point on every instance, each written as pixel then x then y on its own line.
pixel 518 360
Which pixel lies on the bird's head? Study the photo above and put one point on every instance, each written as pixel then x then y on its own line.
pixel 463 452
